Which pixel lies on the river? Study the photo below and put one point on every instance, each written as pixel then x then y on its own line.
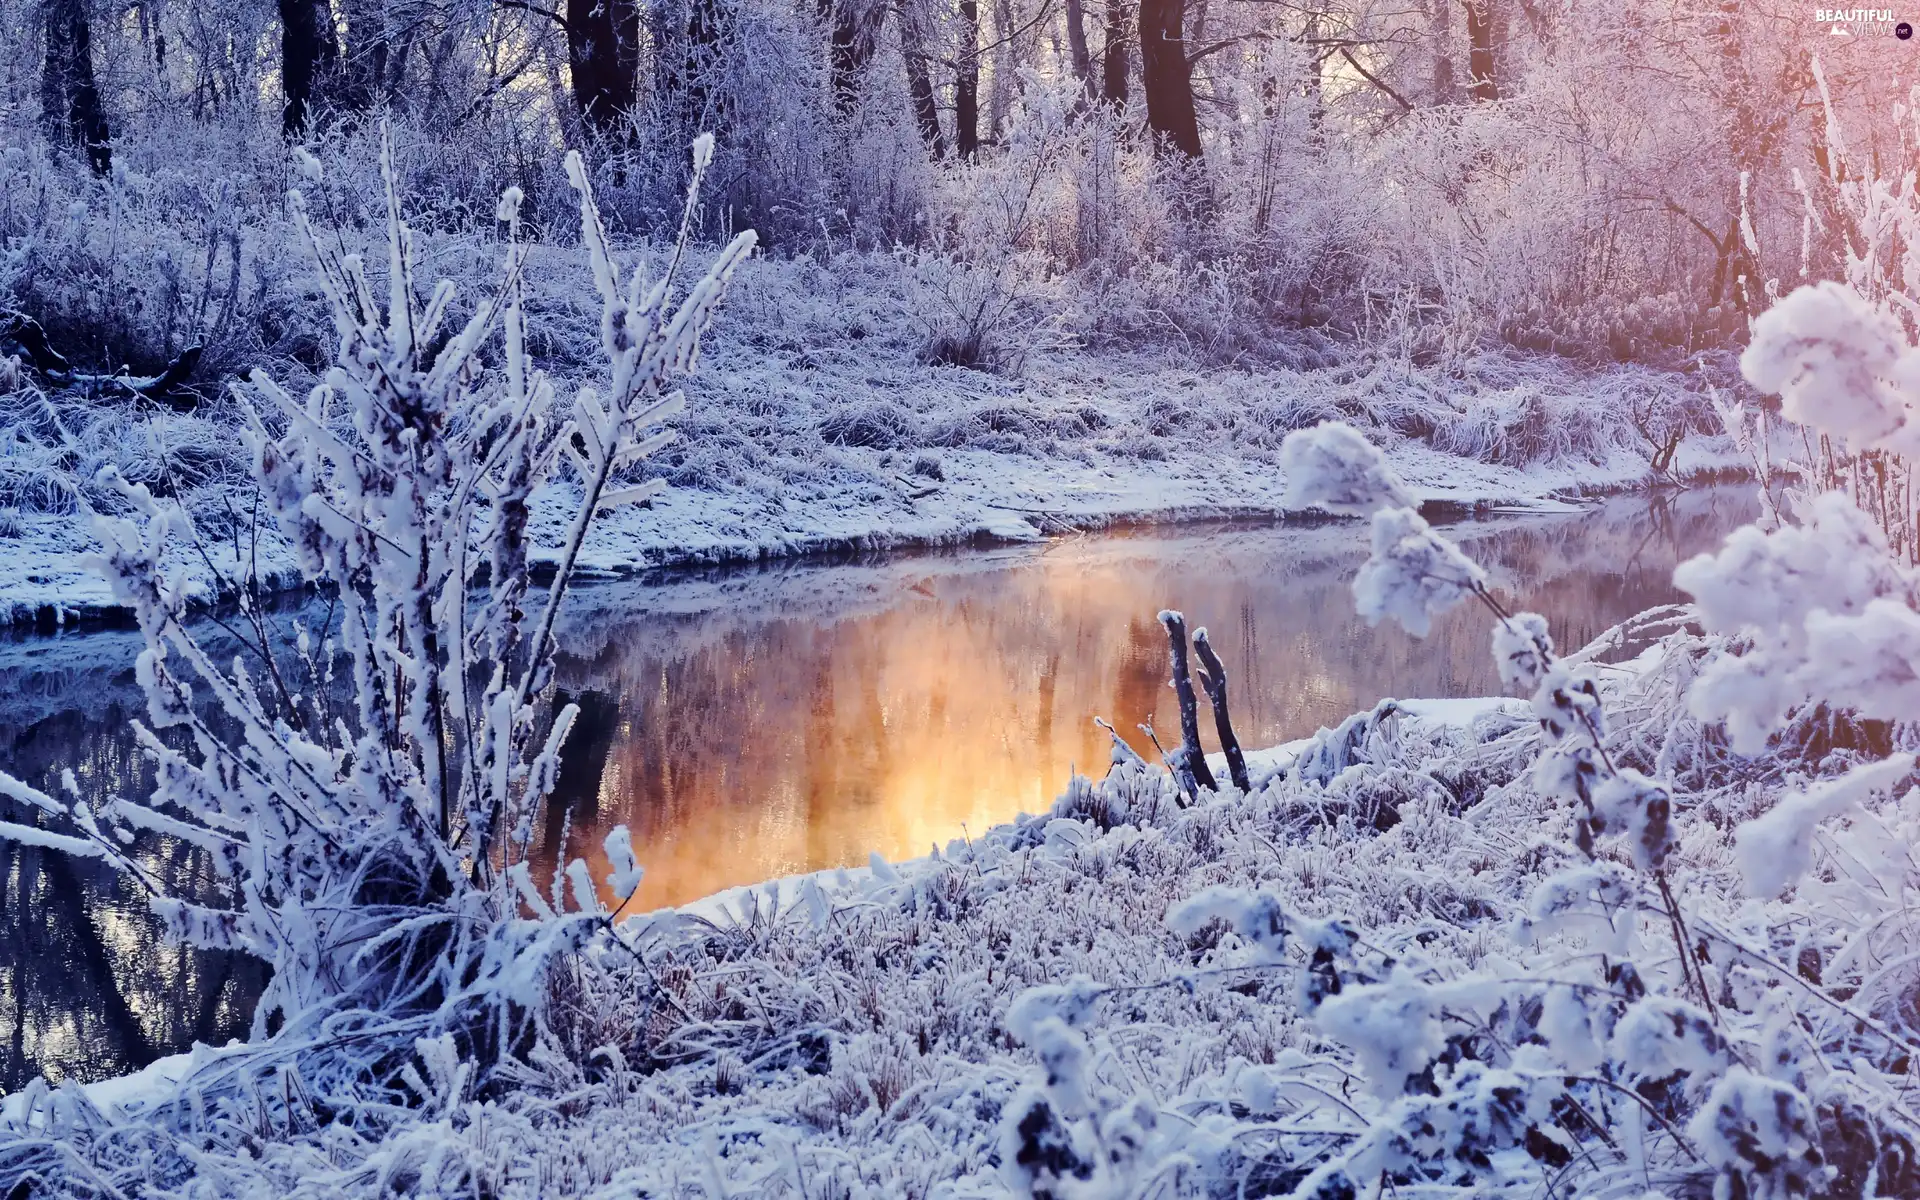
pixel 752 722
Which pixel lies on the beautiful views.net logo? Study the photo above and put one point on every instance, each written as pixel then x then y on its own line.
pixel 1852 22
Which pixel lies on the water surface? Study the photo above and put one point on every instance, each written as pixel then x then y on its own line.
pixel 754 724
pixel 749 723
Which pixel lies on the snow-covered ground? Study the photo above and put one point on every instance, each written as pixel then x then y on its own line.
pixel 1383 964
pixel 875 451
pixel 862 1033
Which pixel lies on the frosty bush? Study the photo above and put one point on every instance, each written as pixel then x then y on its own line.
pixel 1639 1026
pixel 364 799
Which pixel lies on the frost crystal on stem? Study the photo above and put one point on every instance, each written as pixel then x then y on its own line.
pixel 1414 574
pixel 1332 466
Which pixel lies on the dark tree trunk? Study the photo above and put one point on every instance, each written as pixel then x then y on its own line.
pixel 966 83
pixel 855 26
pixel 603 54
pixel 1192 757
pixel 1213 677
pixel 706 48
pixel 69 99
pixel 1481 84
pixel 393 67
pixel 307 52
pixel 1113 56
pixel 913 48
pixel 1166 77
pixel 1077 46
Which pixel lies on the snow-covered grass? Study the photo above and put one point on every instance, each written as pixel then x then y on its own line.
pixel 1385 963
pixel 854 1033
pixel 812 427
pixel 821 420
pixel 1595 943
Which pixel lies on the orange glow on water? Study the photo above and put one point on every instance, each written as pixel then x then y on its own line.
pixel 893 706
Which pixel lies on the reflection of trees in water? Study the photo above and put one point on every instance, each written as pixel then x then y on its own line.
pixel 88 986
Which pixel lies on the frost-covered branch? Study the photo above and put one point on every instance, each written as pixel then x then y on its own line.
pixel 376 861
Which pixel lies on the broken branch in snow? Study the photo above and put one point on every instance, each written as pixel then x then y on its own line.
pixel 1213 677
pixel 1191 756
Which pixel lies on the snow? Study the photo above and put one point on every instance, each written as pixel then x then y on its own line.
pixel 1522 649
pixel 1068 1003
pixel 1029 1006
pixel 129 1095
pixel 1755 1126
pixel 1413 575
pixel 790 491
pixel 1806 594
pixel 1333 467
pixel 1393 1029
pixel 1830 355
pixel 1777 848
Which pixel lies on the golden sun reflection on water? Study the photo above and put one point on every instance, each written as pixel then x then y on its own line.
pixel 752 723
pixel 801 721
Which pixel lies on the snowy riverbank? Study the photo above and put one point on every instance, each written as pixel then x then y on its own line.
pixel 1384 959
pixel 853 1032
pixel 818 898
pixel 872 453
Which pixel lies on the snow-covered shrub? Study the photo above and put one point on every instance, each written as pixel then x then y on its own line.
pixel 364 797
pixel 1639 1023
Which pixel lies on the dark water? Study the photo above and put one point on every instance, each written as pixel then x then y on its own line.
pixel 755 722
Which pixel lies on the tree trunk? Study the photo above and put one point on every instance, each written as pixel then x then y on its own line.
pixel 307 52
pixel 1005 74
pixel 1113 56
pixel 1481 84
pixel 966 82
pixel 1077 46
pixel 603 53
pixel 69 99
pixel 1443 84
pixel 913 48
pixel 1167 78
pixel 855 30
pixel 1190 754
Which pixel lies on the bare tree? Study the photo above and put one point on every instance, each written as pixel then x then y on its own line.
pixel 854 32
pixel 966 82
pixel 1481 84
pixel 1443 84
pixel 603 54
pixel 69 98
pixel 362 81
pixel 1077 45
pixel 1114 67
pixel 913 49
pixel 1167 76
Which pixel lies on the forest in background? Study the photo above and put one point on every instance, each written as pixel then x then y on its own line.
pixel 1228 181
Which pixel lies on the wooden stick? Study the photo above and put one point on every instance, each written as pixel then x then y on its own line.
pixel 1213 677
pixel 1194 757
